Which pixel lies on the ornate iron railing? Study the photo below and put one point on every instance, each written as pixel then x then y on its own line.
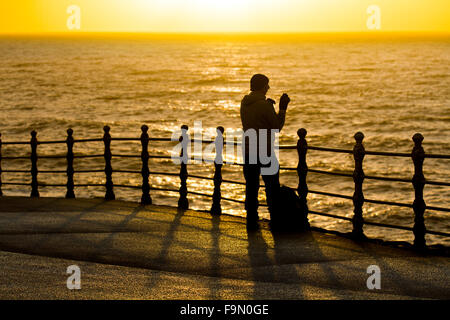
pixel 418 180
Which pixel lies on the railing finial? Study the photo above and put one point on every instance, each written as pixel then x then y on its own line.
pixel 146 198
pixel 359 137
pixel 418 139
pixel 359 153
pixel 302 133
pixel 418 181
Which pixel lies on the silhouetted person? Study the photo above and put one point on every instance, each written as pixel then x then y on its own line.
pixel 258 117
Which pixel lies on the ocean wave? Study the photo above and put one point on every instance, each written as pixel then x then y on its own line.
pixel 110 97
pixel 150 72
pixel 362 69
pixel 27 64
pixel 216 80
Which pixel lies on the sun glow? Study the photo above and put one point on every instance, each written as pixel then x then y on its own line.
pixel 34 16
pixel 222 6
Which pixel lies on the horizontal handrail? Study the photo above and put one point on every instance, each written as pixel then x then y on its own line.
pixel 367 152
pixel 330 149
pixel 88 140
pixel 437 156
pixel 52 142
pixel 164 173
pixel 160 157
pixel 16 157
pixel 88 156
pixel 329 215
pixel 16 183
pixel 437 183
pixel 125 156
pixel 161 139
pixel 15 142
pixel 281 147
pixel 53 157
pixel 430 182
pixel 381 178
pixel 59 171
pixel 330 194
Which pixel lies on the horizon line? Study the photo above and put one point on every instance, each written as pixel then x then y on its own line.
pixel 321 36
pixel 371 32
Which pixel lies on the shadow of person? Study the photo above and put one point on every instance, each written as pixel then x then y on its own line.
pixel 214 256
pixel 262 269
pixel 301 260
pixel 287 256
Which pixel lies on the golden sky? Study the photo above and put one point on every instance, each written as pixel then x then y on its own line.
pixel 37 16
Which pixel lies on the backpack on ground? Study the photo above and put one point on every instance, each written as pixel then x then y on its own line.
pixel 290 215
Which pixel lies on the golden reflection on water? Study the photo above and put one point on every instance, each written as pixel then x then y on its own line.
pixel 380 87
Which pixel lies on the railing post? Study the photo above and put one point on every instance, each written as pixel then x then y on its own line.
pixel 1 193
pixel 145 199
pixel 218 163
pixel 108 168
pixel 418 181
pixel 70 185
pixel 302 172
pixel 358 177
pixel 183 202
pixel 34 169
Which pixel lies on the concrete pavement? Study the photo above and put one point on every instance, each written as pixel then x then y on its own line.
pixel 128 251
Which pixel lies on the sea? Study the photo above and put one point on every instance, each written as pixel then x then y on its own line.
pixel 388 87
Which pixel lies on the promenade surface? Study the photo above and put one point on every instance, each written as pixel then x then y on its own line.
pixel 128 251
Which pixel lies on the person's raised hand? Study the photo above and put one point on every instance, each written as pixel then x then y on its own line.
pixel 271 101
pixel 284 101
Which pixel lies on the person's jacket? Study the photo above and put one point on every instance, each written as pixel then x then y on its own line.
pixel 258 113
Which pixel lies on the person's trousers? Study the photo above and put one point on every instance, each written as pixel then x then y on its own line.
pixel 252 173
